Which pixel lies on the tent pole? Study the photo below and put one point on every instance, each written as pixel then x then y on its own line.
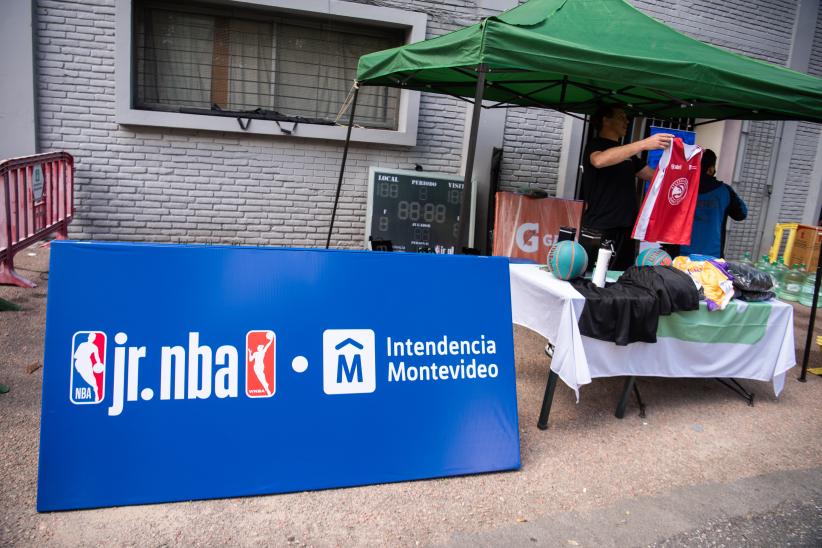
pixel 814 302
pixel 342 165
pixel 465 210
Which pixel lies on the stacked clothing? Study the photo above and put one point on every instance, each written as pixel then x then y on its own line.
pixel 713 277
pixel 628 311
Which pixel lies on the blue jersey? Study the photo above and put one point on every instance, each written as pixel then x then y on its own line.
pixel 715 203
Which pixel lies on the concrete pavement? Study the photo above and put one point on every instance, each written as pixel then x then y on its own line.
pixel 700 462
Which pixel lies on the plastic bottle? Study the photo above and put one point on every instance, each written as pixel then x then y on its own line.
pixel 765 266
pixel 746 259
pixel 806 294
pixel 792 282
pixel 778 274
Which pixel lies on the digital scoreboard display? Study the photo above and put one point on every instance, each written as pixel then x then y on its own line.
pixel 416 210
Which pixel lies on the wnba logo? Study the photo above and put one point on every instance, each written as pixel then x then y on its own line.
pixel 678 191
pixel 88 367
pixel 260 378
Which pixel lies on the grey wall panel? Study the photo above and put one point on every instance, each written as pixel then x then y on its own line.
pixel 17 94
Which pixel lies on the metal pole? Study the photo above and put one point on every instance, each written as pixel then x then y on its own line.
pixel 809 340
pixel 465 210
pixel 342 165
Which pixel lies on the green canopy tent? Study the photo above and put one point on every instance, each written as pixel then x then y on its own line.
pixel 572 55
pixel 569 55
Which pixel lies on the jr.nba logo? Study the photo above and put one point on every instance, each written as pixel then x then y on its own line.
pixel 260 352
pixel 88 367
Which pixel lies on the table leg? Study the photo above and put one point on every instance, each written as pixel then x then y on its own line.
pixel 542 423
pixel 739 389
pixel 623 401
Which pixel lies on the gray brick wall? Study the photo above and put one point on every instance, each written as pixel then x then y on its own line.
pixel 758 28
pixel 761 29
pixel 531 149
pixel 170 185
pixel 804 151
pixel 815 65
pixel 799 173
pixel 815 68
pixel 532 143
pixel 180 185
pixel 752 187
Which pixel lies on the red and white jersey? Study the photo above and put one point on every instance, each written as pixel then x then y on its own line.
pixel 667 213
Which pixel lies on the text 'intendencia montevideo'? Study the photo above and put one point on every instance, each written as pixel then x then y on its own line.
pixel 450 359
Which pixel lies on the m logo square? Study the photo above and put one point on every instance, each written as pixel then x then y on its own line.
pixel 348 361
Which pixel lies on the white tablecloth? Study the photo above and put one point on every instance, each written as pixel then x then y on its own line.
pixel 552 307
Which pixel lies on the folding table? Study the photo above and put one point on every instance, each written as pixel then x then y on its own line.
pixel 745 341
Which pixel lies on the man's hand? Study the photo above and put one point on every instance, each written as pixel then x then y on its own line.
pixel 615 155
pixel 658 141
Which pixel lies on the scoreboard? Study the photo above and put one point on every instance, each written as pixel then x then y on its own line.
pixel 417 210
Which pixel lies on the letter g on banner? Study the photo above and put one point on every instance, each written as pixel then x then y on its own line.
pixel 533 241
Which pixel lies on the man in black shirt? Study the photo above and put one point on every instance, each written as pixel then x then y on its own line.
pixel 609 184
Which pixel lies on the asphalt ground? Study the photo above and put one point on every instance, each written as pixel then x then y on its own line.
pixel 703 469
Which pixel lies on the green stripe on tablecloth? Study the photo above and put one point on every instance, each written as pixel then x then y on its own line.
pixel 613 275
pixel 720 326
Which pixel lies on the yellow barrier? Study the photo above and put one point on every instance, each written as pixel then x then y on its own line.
pixel 778 230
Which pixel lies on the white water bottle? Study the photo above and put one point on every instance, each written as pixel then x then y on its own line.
pixel 601 268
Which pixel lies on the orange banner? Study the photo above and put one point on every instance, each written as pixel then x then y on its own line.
pixel 527 228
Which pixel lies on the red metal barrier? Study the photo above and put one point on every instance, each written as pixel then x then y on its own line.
pixel 26 218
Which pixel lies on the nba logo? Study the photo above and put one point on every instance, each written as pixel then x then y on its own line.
pixel 88 367
pixel 260 352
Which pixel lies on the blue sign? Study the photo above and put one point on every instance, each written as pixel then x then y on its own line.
pixel 688 137
pixel 193 372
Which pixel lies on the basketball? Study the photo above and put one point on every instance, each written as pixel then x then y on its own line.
pixel 653 257
pixel 567 260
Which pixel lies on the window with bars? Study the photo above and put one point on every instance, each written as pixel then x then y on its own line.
pixel 686 124
pixel 209 59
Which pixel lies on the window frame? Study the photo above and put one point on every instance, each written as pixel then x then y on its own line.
pixel 414 23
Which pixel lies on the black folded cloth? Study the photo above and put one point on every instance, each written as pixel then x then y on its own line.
pixel 628 310
pixel 750 283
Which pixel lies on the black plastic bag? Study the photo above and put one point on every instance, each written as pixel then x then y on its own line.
pixel 753 296
pixel 748 278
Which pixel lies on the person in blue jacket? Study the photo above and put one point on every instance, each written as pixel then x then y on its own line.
pixel 716 202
